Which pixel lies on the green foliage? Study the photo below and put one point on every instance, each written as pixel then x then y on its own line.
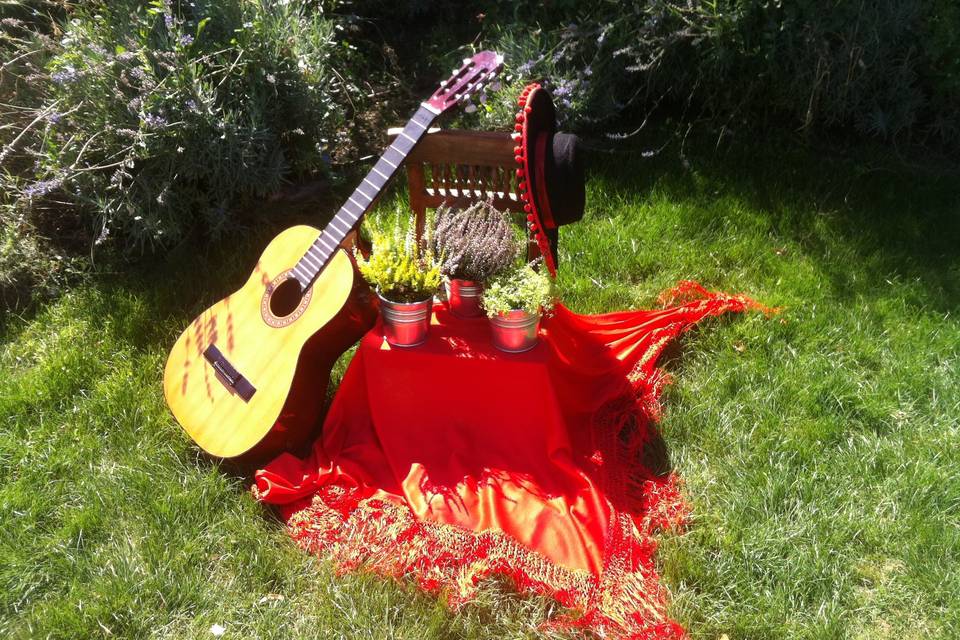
pixel 400 267
pixel 143 122
pixel 521 288
pixel 26 259
pixel 476 243
pixel 887 70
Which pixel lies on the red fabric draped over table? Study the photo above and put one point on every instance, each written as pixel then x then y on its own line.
pixel 453 461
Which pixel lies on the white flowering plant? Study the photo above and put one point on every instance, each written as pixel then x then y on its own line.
pixel 521 288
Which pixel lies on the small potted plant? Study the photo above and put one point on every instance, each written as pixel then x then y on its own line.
pixel 475 244
pixel 405 274
pixel 515 301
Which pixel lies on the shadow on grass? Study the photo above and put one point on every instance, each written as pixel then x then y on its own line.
pixel 849 216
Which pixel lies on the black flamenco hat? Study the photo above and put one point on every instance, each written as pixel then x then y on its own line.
pixel 551 179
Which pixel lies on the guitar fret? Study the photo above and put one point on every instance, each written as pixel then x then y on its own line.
pixel 404 134
pixel 324 257
pixel 335 235
pixel 380 173
pixel 364 194
pixel 384 158
pixel 317 255
pixel 301 276
pixel 372 184
pixel 342 225
pixel 310 260
pixel 356 203
pixel 395 147
pixel 324 242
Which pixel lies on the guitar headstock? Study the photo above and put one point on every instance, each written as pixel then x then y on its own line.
pixel 469 79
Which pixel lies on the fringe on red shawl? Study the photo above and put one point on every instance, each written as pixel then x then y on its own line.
pixel 362 527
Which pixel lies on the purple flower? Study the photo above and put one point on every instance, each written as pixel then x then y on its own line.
pixel 154 121
pixel 66 75
pixel 191 105
pixel 562 89
pixel 186 40
pixel 168 20
pixel 54 118
pixel 42 188
pixel 526 67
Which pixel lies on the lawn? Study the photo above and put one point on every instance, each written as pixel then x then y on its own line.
pixel 820 448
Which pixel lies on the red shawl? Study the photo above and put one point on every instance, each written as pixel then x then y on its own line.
pixel 451 462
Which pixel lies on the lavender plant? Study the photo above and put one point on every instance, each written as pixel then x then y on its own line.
pixel 133 124
pixel 475 243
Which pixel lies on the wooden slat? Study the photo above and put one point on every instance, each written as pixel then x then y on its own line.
pixel 417 189
pixel 461 168
pixel 488 148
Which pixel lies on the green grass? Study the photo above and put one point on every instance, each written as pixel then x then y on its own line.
pixel 820 447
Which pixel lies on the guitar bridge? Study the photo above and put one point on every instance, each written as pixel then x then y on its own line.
pixel 227 374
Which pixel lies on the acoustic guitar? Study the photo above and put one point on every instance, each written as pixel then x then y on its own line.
pixel 248 377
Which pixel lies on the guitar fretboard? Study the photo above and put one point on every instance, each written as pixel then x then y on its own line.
pixel 315 259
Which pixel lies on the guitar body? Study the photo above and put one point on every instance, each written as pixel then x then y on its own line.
pixel 249 376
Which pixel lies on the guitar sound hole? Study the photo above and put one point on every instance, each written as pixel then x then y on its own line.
pixel 285 298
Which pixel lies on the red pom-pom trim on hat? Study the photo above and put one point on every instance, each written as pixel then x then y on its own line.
pixel 523 186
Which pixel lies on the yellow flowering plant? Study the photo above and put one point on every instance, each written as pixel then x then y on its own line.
pixel 401 268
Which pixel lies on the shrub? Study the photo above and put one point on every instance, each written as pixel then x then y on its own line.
pixel 887 69
pixel 151 120
pixel 520 288
pixel 476 243
pixel 400 267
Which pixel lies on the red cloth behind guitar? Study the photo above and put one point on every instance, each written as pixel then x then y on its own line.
pixel 452 461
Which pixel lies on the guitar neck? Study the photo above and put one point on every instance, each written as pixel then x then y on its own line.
pixel 361 200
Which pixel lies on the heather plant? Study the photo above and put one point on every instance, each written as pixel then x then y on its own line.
pixel 520 288
pixel 401 267
pixel 476 243
pixel 128 125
